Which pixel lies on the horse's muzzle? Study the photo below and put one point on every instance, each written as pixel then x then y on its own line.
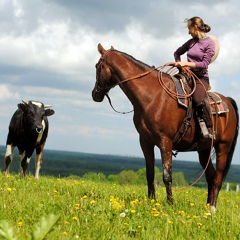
pixel 97 96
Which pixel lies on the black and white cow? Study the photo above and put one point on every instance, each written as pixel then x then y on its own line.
pixel 28 130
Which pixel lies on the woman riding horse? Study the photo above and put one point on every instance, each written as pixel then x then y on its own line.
pixel 200 50
pixel 158 118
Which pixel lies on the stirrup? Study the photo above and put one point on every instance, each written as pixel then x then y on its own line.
pixel 205 131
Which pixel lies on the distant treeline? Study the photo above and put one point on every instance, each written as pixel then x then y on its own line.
pixel 64 164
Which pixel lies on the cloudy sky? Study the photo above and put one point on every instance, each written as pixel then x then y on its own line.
pixel 48 52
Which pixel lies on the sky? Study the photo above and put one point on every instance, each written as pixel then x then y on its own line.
pixel 48 52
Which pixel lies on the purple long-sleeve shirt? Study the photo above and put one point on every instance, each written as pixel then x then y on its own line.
pixel 199 51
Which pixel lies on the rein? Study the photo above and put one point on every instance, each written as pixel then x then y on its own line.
pixel 110 102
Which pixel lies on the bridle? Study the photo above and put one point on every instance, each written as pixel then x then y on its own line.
pixel 106 87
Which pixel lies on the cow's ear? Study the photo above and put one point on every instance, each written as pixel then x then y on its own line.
pixel 49 112
pixel 22 107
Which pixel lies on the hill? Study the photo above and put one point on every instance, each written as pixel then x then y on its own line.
pixel 64 164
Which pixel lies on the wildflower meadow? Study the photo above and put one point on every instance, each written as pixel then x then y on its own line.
pixel 72 208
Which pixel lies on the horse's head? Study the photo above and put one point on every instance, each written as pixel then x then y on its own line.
pixel 103 76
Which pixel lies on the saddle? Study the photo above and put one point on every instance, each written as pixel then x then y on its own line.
pixel 184 87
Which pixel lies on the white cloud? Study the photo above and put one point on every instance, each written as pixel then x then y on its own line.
pixel 6 93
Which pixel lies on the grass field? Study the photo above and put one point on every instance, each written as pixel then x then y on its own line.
pixel 77 209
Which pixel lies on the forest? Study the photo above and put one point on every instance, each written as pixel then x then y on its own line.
pixel 65 164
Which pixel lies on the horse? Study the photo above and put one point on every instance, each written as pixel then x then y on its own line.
pixel 158 116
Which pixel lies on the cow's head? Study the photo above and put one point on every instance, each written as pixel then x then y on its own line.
pixel 34 113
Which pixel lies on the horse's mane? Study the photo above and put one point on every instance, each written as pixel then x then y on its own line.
pixel 134 60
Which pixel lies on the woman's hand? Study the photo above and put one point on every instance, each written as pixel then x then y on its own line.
pixel 185 64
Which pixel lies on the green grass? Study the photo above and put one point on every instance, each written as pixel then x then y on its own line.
pixel 94 210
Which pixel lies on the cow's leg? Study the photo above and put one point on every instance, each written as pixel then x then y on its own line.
pixel 25 158
pixel 39 159
pixel 8 158
pixel 166 154
pixel 148 151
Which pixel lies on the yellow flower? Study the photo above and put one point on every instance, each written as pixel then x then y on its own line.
pixel 126 224
pixel 93 202
pixel 199 224
pixel 133 211
pixel 85 196
pixel 77 206
pixel 170 222
pixel 65 233
pixel 156 214
pixel 157 204
pixel 192 204
pixel 66 223
pixel 75 218
pixel 20 224
pixel 9 189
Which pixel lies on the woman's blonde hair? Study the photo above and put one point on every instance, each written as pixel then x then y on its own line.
pixel 197 21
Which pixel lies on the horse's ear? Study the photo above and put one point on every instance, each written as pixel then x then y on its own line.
pixel 101 49
pixel 112 48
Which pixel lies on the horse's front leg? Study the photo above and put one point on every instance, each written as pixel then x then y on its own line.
pixel 148 151
pixel 166 154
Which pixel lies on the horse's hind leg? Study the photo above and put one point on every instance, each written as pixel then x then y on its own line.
pixel 205 160
pixel 222 167
pixel 148 151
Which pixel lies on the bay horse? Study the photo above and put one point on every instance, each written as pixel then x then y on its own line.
pixel 158 117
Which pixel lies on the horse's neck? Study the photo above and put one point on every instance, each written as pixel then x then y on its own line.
pixel 139 90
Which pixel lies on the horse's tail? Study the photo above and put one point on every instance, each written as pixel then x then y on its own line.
pixel 230 155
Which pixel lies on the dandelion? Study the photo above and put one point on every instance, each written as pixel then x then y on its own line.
pixel 20 224
pixel 208 214
pixel 170 222
pixel 9 189
pixel 85 196
pixel 153 201
pixel 199 224
pixel 192 204
pixel 77 206
pixel 65 233
pixel 195 216
pixel 66 223
pixel 75 218
pixel 122 215
pixel 157 204
pixel 139 226
pixel 126 224
pixel 133 211
pixel 93 202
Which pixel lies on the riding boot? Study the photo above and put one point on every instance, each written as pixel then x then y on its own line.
pixel 205 120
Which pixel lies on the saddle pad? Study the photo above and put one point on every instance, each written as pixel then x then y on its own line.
pixel 217 105
pixel 181 91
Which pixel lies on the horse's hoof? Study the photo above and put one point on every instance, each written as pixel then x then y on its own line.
pixel 213 209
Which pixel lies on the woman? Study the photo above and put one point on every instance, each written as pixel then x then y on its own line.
pixel 200 50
